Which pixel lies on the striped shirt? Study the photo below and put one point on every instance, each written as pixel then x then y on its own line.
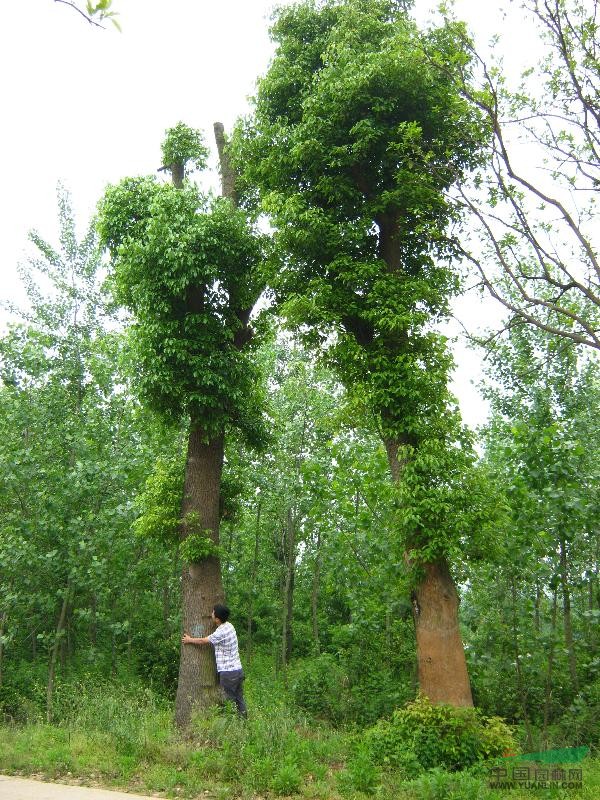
pixel 225 642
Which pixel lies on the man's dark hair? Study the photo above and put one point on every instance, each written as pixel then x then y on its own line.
pixel 221 612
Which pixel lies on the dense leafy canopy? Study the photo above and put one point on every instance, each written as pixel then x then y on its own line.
pixel 188 267
pixel 184 145
pixel 359 130
pixel 357 134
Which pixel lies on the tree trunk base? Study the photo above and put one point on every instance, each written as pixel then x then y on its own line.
pixel 442 666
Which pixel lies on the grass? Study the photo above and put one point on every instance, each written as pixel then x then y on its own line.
pixel 122 736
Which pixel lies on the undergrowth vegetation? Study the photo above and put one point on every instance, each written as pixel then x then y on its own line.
pixel 119 733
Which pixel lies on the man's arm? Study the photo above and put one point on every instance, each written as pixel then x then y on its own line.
pixel 187 639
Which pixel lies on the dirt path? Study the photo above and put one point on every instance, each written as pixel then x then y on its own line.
pixel 25 789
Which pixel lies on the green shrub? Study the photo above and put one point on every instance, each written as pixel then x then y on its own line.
pixel 438 736
pixel 287 779
pixel 378 670
pixel 579 726
pixel 316 686
pixel 197 547
pixel 11 704
pixel 157 661
pixel 260 774
pixel 440 785
pixel 23 692
pixel 360 774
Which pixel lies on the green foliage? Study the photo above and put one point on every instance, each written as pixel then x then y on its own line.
pixel 104 729
pixel 438 784
pixel 22 693
pixel 316 685
pixel 98 10
pixel 184 145
pixel 119 734
pixel 541 451
pixel 189 270
pixel 160 501
pixel 74 448
pixel 579 725
pixel 438 736
pixel 359 130
pixel 123 710
pixel 276 750
pixel 287 780
pixel 360 774
pixel 447 505
pixel 197 547
pixel 157 660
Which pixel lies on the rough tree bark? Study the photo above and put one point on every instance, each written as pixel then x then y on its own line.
pixel 442 668
pixel 227 173
pixel 197 685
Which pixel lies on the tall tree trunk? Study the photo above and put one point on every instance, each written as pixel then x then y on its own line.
pixel 442 667
pixel 60 627
pixel 567 619
pixel 549 669
pixel 518 667
pixel 289 554
pixel 197 686
pixel 227 173
pixel 2 624
pixel 314 595
pixel 441 663
pixel 253 573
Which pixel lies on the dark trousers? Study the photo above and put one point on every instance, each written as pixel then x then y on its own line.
pixel 232 685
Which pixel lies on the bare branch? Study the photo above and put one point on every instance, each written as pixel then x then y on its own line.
pixel 79 11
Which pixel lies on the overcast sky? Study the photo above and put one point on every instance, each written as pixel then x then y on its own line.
pixel 87 106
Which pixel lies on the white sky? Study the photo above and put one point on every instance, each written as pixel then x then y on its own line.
pixel 87 106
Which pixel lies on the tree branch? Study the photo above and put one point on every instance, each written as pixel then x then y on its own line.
pixel 79 11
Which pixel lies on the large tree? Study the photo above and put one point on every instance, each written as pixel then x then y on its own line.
pixel 188 268
pixel 357 134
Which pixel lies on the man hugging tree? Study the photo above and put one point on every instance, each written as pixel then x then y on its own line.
pixel 229 667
